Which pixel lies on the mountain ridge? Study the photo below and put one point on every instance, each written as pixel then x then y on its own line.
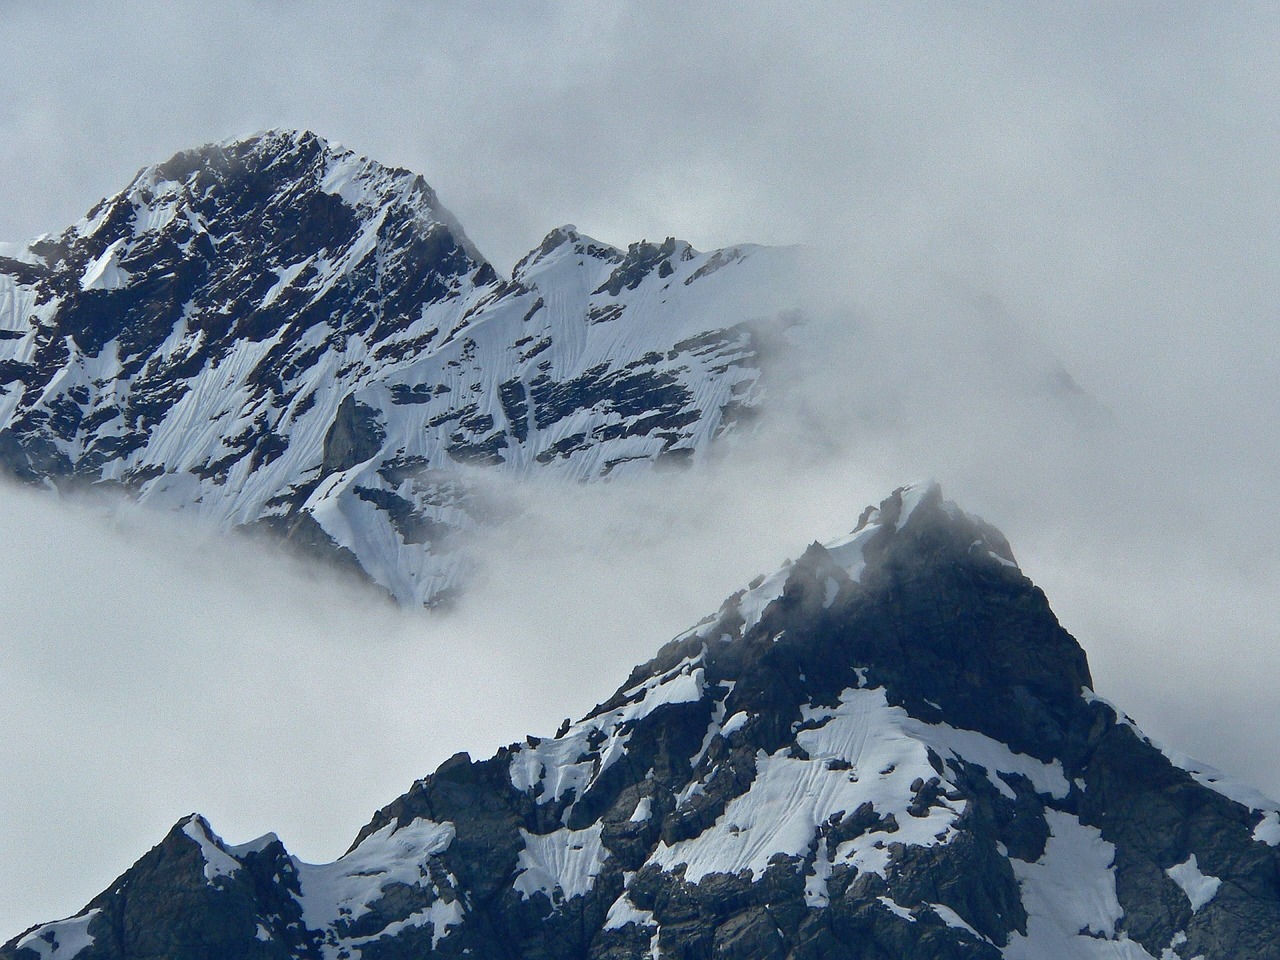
pixel 890 748
pixel 276 334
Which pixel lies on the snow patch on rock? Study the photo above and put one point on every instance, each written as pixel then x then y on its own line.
pixel 954 920
pixel 859 752
pixel 623 912
pixel 562 864
pixel 217 862
pixel 1070 898
pixel 1199 887
pixel 440 916
pixel 349 887
pixel 1268 829
pixel 734 724
pixel 105 273
pixel 62 939
pixel 553 768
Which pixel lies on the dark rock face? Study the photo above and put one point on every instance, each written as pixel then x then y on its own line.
pixel 887 750
pixel 264 331
pixel 354 436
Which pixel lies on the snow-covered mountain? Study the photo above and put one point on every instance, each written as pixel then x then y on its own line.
pixel 276 333
pixel 888 749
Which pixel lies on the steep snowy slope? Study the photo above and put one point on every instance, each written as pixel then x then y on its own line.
pixel 888 749
pixel 275 332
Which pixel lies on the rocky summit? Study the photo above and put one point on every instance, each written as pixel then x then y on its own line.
pixel 888 749
pixel 277 334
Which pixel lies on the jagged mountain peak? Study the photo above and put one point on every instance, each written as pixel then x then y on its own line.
pixel 262 173
pixel 871 759
pixel 913 529
pixel 241 239
pixel 622 270
pixel 564 242
pixel 838 616
pixel 276 332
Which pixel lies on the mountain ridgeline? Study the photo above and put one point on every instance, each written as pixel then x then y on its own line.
pixel 276 334
pixel 888 749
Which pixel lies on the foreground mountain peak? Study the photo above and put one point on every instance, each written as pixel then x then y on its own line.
pixel 889 749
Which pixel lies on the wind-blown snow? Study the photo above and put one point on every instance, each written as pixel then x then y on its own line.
pixel 1267 830
pixel 253 846
pixel 912 495
pixel 847 552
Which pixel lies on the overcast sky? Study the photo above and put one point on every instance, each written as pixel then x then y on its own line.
pixel 994 188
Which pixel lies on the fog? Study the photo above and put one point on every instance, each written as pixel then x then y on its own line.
pixel 994 196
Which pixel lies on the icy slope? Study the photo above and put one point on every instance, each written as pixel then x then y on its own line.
pixel 275 332
pixel 888 749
